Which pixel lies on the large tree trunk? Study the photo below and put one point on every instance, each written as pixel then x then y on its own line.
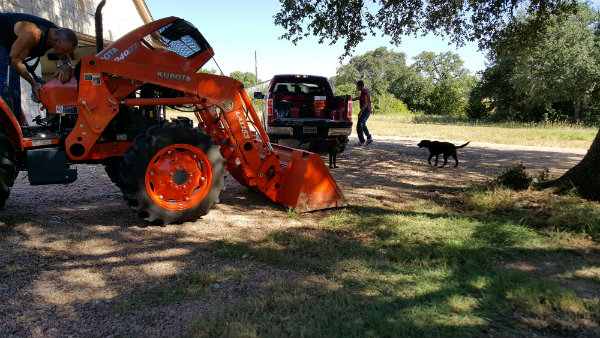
pixel 585 176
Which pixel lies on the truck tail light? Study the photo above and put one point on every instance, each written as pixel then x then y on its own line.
pixel 349 110
pixel 270 107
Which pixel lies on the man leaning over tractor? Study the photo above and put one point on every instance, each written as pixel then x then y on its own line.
pixel 23 36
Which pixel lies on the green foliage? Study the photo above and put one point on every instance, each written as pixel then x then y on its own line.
pixel 479 104
pixel 377 68
pixel 346 89
pixel 388 104
pixel 447 99
pixel 247 78
pixel 414 89
pixel 440 67
pixel 438 84
pixel 352 21
pixel 552 77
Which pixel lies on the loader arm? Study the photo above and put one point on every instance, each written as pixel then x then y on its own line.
pixel 167 53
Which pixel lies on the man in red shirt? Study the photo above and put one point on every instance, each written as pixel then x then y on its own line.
pixel 364 113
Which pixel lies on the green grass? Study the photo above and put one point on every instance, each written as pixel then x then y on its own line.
pixel 375 272
pixel 194 286
pixel 431 127
pixel 536 209
pixel 440 127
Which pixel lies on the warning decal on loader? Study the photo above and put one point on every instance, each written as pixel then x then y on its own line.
pixel 95 78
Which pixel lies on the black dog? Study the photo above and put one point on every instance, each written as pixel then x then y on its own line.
pixel 436 148
pixel 331 146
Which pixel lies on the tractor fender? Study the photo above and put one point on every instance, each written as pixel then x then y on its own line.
pixel 12 125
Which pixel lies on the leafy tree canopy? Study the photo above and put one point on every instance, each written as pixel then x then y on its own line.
pixel 247 78
pixel 440 67
pixel 462 20
pixel 559 71
pixel 378 68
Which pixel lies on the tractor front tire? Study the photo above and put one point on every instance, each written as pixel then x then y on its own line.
pixel 172 174
pixel 111 166
pixel 8 166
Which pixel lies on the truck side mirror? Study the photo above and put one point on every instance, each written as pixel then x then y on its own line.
pixel 258 95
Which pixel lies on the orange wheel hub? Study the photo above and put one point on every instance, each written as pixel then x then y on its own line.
pixel 179 176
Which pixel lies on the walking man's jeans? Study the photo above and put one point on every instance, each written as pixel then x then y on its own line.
pixel 361 126
pixel 15 82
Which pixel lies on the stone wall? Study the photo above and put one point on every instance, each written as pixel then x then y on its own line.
pixel 119 17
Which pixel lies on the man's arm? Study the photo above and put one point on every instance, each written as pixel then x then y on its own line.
pixel 363 106
pixel 28 35
pixel 63 70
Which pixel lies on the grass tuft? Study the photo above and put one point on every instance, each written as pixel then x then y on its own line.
pixel 515 178
pixel 533 209
pixel 195 285
pixel 544 298
pixel 292 213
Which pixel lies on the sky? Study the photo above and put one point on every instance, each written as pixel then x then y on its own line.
pixel 238 29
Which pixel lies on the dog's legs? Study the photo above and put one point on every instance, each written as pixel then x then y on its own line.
pixel 429 158
pixel 436 159
pixel 445 161
pixel 335 160
pixel 455 159
pixel 330 160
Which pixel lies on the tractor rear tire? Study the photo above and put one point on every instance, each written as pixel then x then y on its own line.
pixel 172 174
pixel 8 166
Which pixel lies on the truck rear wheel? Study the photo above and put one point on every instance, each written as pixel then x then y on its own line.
pixel 172 174
pixel 8 166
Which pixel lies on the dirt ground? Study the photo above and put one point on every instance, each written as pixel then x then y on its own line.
pixel 71 252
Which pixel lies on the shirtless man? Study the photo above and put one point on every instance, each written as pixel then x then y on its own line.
pixel 23 36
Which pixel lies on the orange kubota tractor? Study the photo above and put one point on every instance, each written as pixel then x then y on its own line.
pixel 113 113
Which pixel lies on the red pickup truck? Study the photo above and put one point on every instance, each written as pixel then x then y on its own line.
pixel 304 107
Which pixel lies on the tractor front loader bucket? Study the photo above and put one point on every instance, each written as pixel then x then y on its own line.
pixel 306 184
pixel 292 177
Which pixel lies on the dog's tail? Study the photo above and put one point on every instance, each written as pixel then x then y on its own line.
pixel 464 145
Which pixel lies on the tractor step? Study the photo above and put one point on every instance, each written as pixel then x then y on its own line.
pixel 49 166
pixel 38 132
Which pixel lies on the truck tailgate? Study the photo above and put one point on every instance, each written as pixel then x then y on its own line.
pixel 296 122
